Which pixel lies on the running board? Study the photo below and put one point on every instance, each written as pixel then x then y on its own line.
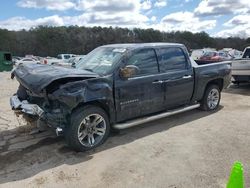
pixel 139 121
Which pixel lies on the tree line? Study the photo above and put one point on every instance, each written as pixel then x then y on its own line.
pixel 50 41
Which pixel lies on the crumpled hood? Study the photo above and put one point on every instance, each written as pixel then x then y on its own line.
pixel 36 77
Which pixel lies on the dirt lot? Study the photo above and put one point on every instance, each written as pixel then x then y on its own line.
pixel 194 149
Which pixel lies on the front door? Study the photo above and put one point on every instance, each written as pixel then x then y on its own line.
pixel 143 93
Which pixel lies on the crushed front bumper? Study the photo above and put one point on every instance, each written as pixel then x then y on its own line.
pixel 25 107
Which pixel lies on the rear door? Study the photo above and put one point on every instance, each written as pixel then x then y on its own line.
pixel 143 93
pixel 177 75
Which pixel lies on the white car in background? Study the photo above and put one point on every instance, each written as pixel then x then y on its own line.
pixel 61 59
pixel 65 56
pixel 71 61
pixel 241 68
pixel 26 60
pixel 198 53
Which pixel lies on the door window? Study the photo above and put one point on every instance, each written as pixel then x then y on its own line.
pixel 172 59
pixel 145 60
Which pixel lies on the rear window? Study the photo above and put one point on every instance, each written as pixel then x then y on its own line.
pixel 172 59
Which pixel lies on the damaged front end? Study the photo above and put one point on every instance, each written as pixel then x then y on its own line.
pixel 41 111
pixel 25 107
pixel 43 104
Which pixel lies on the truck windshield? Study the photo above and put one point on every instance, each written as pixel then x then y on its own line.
pixel 101 60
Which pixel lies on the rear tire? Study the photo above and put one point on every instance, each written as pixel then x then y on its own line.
pixel 89 128
pixel 211 98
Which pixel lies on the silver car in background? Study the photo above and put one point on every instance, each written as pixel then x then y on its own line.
pixel 241 68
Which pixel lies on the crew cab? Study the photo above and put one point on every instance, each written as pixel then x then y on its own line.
pixel 116 87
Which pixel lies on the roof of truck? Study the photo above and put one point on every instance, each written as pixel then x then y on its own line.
pixel 141 45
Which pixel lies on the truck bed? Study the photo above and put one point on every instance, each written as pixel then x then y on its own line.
pixel 203 62
pixel 206 73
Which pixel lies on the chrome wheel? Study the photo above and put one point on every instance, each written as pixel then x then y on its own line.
pixel 91 130
pixel 213 98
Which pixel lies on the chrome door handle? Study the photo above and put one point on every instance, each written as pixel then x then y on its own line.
pixel 157 82
pixel 187 76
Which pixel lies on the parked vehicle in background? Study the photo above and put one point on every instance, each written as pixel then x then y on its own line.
pixel 15 59
pixel 210 55
pixel 221 56
pixel 61 58
pixel 65 56
pixel 213 57
pixel 241 68
pixel 6 63
pixel 26 61
pixel 69 62
pixel 235 54
pixel 207 56
pixel 38 58
pixel 198 53
pixel 117 86
pixel 48 60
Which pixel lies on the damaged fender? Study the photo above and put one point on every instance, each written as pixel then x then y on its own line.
pixel 93 91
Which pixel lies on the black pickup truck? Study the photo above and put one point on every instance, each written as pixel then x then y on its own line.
pixel 115 87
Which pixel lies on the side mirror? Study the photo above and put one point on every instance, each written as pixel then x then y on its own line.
pixel 129 71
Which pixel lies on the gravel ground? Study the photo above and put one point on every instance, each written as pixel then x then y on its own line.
pixel 193 149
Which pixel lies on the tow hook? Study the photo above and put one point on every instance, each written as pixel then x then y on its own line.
pixel 59 131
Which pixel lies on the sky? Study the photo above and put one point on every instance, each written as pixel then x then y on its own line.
pixel 219 18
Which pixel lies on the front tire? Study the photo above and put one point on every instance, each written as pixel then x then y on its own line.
pixel 211 98
pixel 89 128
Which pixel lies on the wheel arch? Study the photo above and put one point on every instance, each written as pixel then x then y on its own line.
pixel 72 135
pixel 219 82
pixel 99 103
